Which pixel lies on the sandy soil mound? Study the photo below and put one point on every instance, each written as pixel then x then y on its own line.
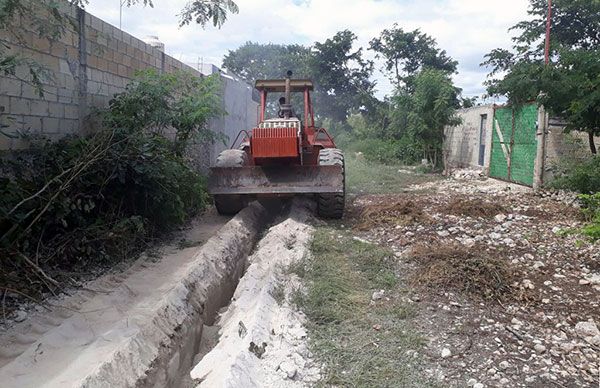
pixel 263 341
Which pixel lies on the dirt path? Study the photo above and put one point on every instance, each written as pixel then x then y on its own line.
pixel 457 282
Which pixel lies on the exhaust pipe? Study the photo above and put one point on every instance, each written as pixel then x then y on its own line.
pixel 288 87
pixel 287 107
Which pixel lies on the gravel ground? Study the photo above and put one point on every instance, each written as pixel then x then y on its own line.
pixel 542 331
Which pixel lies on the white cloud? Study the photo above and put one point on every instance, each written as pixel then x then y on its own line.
pixel 466 29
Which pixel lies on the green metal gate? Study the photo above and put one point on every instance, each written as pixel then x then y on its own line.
pixel 514 144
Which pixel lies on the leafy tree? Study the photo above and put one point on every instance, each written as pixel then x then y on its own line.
pixel 468 102
pixel 340 72
pixel 569 85
pixel 407 53
pixel 253 61
pixel 574 24
pixel 201 12
pixel 427 111
pixel 342 76
pixel 204 11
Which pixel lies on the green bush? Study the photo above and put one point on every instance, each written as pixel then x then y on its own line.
pixel 388 151
pixel 100 198
pixel 591 211
pixel 592 231
pixel 590 206
pixel 581 177
pixel 376 150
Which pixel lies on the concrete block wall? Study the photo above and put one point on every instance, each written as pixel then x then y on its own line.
pixel 562 146
pixel 113 57
pixel 21 107
pixel 462 142
pixel 88 64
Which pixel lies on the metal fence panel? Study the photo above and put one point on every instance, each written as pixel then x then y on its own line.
pixel 514 144
pixel 499 165
pixel 524 145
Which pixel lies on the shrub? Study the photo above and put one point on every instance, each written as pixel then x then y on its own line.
pixel 99 198
pixel 165 103
pixel 388 151
pixel 591 212
pixel 590 206
pixel 582 177
pixel 376 150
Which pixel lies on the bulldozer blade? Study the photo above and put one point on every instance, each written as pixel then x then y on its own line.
pixel 276 180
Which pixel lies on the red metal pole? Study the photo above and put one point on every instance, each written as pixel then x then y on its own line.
pixel 312 111
pixel 263 105
pixel 548 28
pixel 306 110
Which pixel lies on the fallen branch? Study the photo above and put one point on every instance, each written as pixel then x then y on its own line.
pixel 39 270
pixel 40 191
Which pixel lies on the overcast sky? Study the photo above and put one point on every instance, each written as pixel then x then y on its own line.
pixel 466 29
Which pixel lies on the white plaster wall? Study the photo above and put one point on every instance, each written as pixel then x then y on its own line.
pixel 240 114
pixel 462 142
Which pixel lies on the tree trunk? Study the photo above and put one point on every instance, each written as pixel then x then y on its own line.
pixel 592 143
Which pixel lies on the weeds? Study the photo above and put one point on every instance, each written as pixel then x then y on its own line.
pixel 580 175
pixel 467 270
pixel 93 201
pixel 297 268
pixel 472 208
pixel 399 212
pixel 373 178
pixel 360 344
pixel 592 231
pixel 278 293
pixel 591 213
pixel 374 263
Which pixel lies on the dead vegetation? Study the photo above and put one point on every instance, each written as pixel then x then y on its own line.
pixel 467 270
pixel 474 208
pixel 398 212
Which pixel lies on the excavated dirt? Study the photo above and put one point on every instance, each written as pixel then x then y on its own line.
pixel 262 338
pixel 138 328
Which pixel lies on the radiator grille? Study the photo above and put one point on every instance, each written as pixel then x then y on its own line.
pixel 274 142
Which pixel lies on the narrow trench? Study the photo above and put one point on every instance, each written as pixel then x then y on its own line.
pixel 199 334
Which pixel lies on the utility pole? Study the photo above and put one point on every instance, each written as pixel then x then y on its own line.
pixel 543 119
pixel 548 28
pixel 121 4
